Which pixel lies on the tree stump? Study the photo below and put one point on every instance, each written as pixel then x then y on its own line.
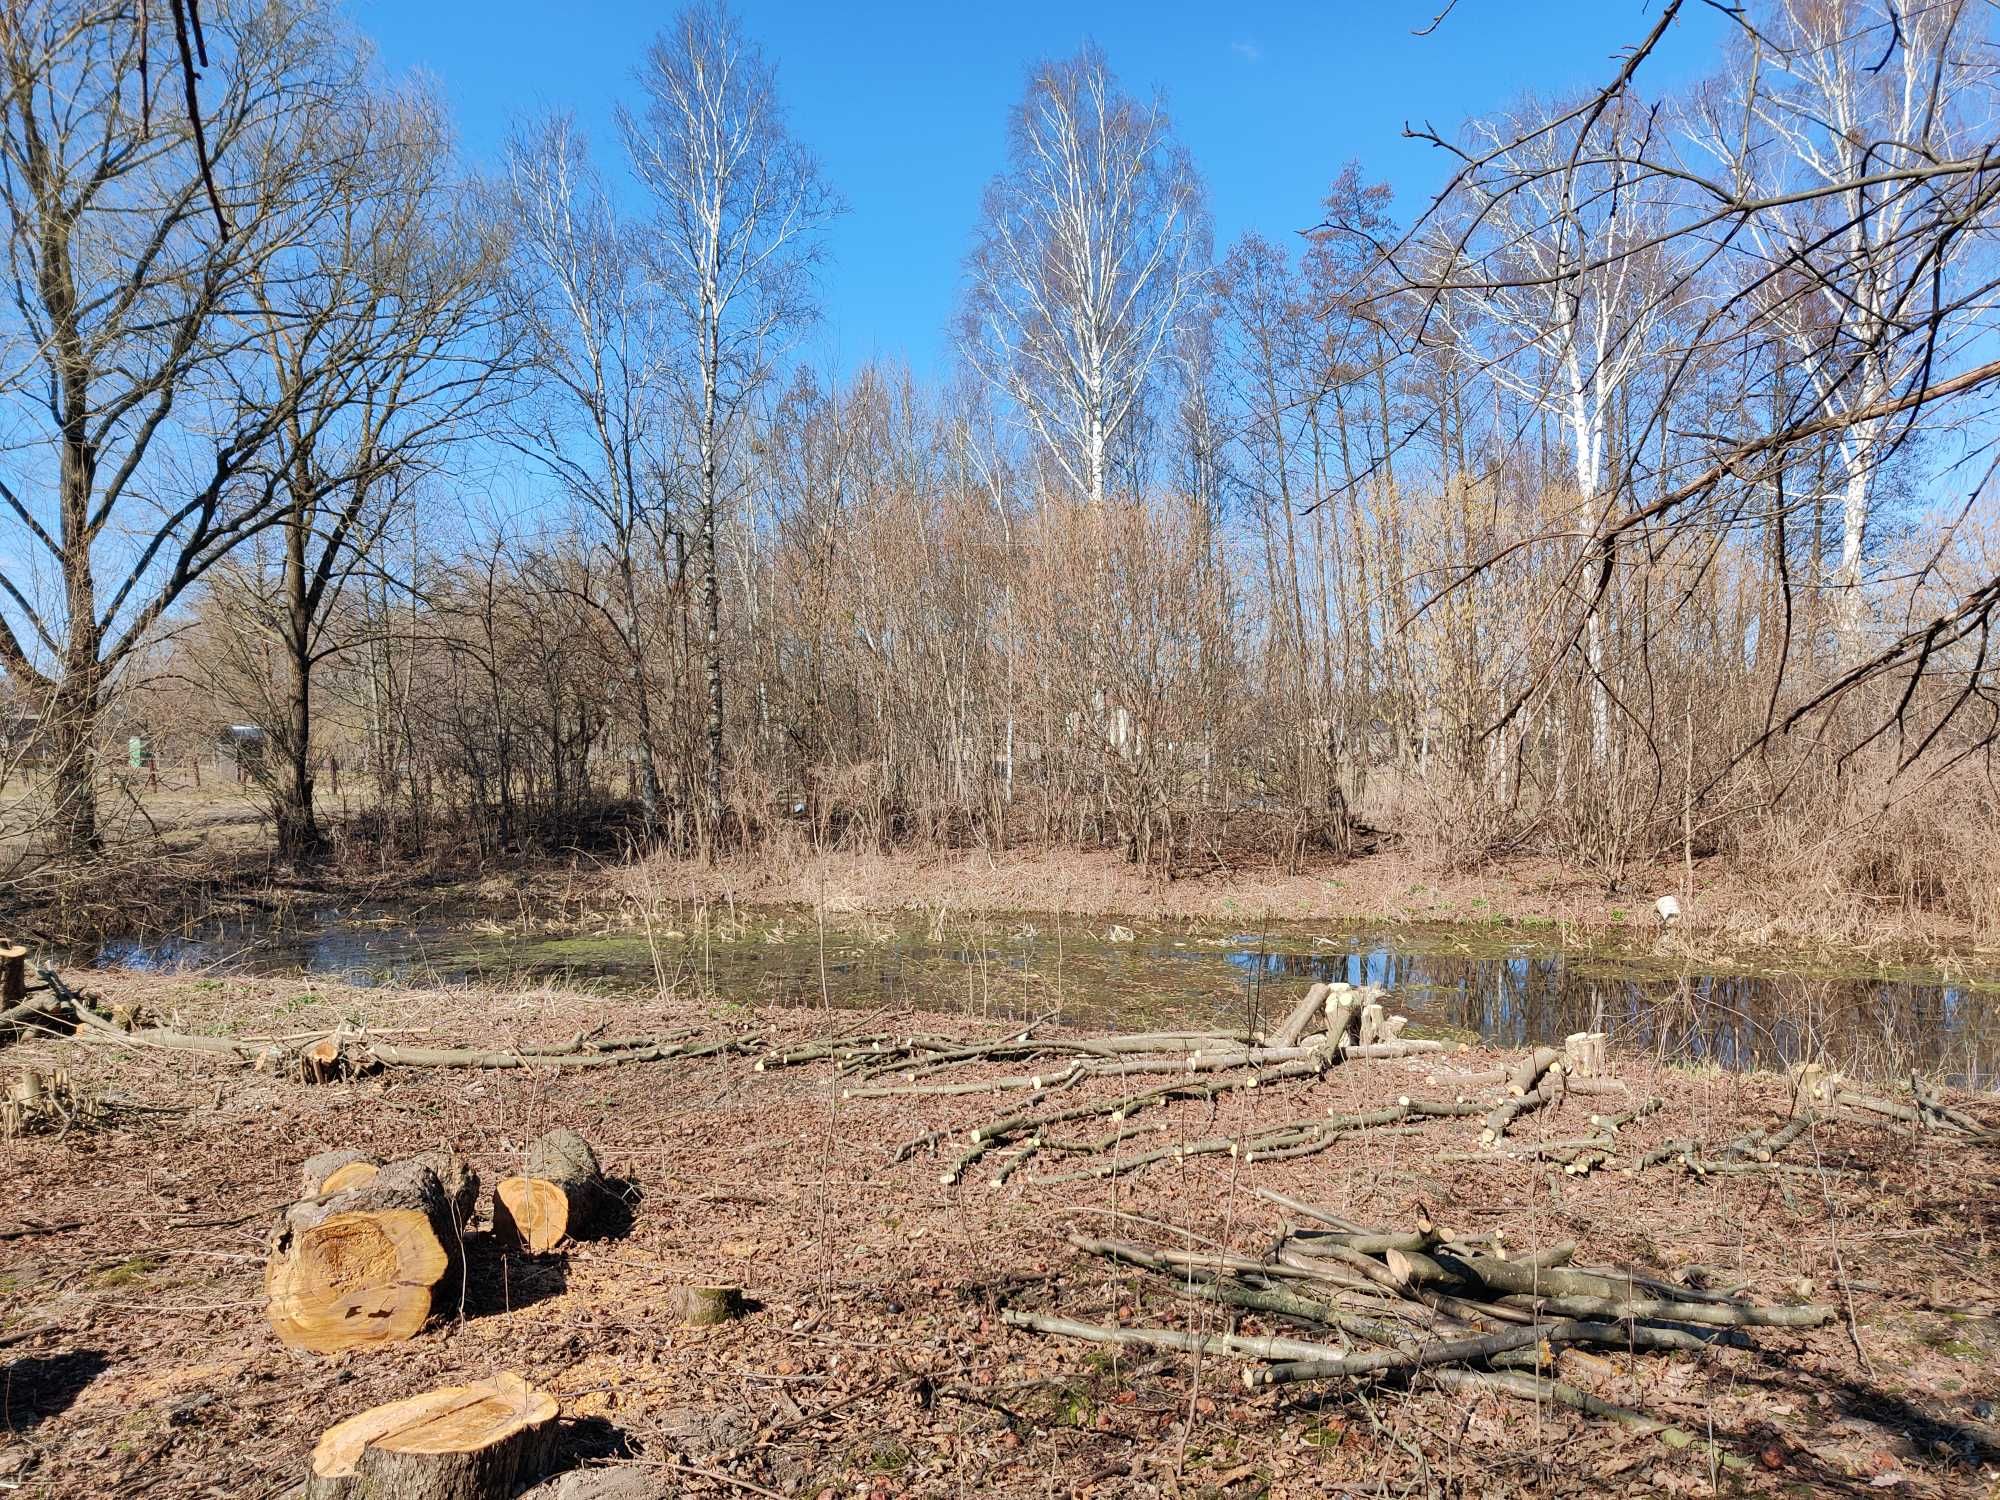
pixel 705 1306
pixel 1584 1053
pixel 555 1198
pixel 13 974
pixel 366 1265
pixel 465 1442
pixel 334 1058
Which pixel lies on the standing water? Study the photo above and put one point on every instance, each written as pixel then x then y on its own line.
pixel 1501 985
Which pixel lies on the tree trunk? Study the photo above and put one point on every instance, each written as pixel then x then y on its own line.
pixel 299 836
pixel 711 605
pixel 469 1442
pixel 74 738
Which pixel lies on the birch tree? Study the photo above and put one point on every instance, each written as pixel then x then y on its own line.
pixel 741 206
pixel 598 421
pixel 1834 117
pixel 1091 246
pixel 1574 308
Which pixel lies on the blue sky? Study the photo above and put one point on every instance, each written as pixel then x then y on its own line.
pixel 906 104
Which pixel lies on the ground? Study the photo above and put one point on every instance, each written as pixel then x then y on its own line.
pixel 875 1361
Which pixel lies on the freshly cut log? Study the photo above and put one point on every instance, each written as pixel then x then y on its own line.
pixel 1528 1072
pixel 1307 1011
pixel 1343 1015
pixel 555 1199
pixel 328 1172
pixel 705 1306
pixel 464 1442
pixel 367 1265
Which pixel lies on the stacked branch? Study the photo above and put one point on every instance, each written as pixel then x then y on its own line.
pixel 1339 1301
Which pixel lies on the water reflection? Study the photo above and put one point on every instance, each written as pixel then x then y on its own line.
pixel 1449 979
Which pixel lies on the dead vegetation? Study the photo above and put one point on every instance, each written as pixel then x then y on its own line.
pixel 882 1344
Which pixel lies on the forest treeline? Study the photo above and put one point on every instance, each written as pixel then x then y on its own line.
pixel 1629 503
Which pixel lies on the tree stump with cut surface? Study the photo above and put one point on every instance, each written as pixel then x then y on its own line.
pixel 466 1442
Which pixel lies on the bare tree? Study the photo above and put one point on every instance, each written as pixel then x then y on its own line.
pixel 741 206
pixel 1562 207
pixel 600 423
pixel 1090 247
pixel 1832 114
pixel 139 411
pixel 393 334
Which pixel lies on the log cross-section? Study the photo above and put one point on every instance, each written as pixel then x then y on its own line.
pixel 557 1197
pixel 465 1442
pixel 370 1263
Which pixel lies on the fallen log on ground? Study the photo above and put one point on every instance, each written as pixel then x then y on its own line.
pixel 465 1442
pixel 342 1054
pixel 369 1264
pixel 558 1195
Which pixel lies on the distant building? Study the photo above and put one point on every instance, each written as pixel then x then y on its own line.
pixel 246 741
pixel 24 740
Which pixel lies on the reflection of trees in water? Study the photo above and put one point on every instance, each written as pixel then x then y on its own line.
pixel 1875 1027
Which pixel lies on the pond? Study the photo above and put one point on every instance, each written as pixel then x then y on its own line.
pixel 1508 986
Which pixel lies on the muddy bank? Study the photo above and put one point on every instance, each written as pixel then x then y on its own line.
pixel 877 1361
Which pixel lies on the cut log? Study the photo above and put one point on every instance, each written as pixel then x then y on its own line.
pixel 1373 1019
pixel 464 1442
pixel 1528 1072
pixel 328 1172
pixel 367 1265
pixel 1815 1083
pixel 1343 1015
pixel 555 1199
pixel 1307 1011
pixel 705 1306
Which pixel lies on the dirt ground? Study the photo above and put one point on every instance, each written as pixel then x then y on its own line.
pixel 138 1360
